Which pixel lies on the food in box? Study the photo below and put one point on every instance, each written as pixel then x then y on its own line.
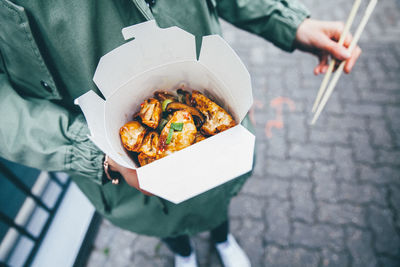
pixel 166 58
pixel 168 123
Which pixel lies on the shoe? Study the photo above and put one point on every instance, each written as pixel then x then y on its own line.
pixel 231 254
pixel 189 261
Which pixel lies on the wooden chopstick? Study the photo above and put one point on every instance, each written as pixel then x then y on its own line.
pixel 328 74
pixel 353 44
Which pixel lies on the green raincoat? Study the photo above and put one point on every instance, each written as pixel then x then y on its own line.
pixel 48 54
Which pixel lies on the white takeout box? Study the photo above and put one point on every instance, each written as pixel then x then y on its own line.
pixel 165 59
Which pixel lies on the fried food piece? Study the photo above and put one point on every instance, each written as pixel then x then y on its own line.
pixel 150 144
pixel 148 150
pixel 217 119
pixel 199 118
pixel 145 159
pixel 199 137
pixel 150 112
pixel 178 139
pixel 132 134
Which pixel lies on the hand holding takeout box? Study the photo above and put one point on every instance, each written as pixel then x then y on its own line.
pixel 164 59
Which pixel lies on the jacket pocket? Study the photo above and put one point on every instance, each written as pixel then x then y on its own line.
pixel 23 61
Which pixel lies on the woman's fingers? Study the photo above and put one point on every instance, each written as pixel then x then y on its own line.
pixel 352 60
pixel 339 52
pixel 322 38
pixel 322 66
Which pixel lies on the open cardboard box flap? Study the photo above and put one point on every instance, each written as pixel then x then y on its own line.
pixel 166 59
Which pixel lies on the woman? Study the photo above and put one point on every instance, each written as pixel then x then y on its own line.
pixel 48 55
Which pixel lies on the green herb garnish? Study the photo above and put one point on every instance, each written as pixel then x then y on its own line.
pixel 174 127
pixel 178 126
pixel 169 138
pixel 165 104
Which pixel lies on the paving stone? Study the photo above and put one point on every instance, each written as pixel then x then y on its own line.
pixel 142 260
pixel 277 147
pixel 105 235
pixel 96 259
pixel 389 85
pixel 162 250
pixel 333 259
pixel 246 206
pixel 235 224
pixel 146 245
pixel 360 247
pixel 251 240
pixel 361 193
pixel 277 257
pixel 389 262
pixel 271 186
pixel 290 168
pixel 259 167
pixel 362 147
pixel 203 248
pixel 380 134
pixel 318 236
pixel 395 203
pixel 329 136
pixel 379 175
pixel 380 97
pixel 387 240
pixel 325 184
pixel 304 96
pixel 341 214
pixel 303 204
pixel 389 157
pixel 350 94
pixel 119 258
pixel 345 122
pixel 310 152
pixel 120 251
pixel 393 118
pixel 372 110
pixel 334 105
pixel 297 130
pixel 257 54
pixel 345 165
pixel 277 221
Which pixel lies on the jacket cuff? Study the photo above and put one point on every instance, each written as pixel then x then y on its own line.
pixel 83 156
pixel 283 24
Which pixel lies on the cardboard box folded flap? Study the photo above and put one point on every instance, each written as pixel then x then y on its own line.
pixel 164 59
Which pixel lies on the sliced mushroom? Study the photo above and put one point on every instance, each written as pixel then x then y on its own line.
pixel 164 95
pixel 184 97
pixel 150 112
pixel 197 116
pixel 132 134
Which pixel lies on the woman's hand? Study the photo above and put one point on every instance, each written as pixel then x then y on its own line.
pixel 321 39
pixel 129 175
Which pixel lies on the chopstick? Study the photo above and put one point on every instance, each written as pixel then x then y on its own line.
pixel 328 74
pixel 339 71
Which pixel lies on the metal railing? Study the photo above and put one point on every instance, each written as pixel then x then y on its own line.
pixel 26 230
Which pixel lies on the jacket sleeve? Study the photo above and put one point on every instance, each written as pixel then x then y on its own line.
pixel 40 134
pixel 274 20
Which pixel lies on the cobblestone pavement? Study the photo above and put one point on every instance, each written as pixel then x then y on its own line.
pixel 327 195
